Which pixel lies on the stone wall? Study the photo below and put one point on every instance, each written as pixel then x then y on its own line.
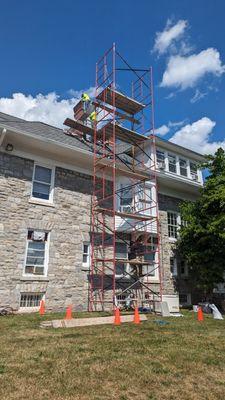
pixel 167 203
pixel 68 222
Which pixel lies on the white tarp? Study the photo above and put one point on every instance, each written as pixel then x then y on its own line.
pixel 216 313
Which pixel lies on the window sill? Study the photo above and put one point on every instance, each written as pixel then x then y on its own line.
pixel 85 268
pixel 41 202
pixel 34 278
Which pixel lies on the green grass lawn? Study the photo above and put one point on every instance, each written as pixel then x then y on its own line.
pixel 183 360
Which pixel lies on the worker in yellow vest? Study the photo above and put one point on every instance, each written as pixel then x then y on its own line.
pixel 86 101
pixel 93 118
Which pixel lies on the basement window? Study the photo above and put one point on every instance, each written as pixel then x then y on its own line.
pixel 36 253
pixel 30 300
pixel 42 187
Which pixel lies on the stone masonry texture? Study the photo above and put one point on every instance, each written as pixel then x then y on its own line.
pixel 68 224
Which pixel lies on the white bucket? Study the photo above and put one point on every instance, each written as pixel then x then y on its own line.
pixel 195 308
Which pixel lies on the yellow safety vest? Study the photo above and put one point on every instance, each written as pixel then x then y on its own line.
pixel 85 97
pixel 92 116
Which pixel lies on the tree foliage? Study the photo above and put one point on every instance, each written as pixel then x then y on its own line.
pixel 202 239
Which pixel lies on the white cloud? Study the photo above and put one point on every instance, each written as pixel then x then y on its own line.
pixel 49 108
pixel 183 72
pixel 169 35
pixel 197 96
pixel 176 124
pixel 196 136
pixel 162 130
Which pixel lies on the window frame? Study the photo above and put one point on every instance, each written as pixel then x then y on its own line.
pixel 174 273
pixel 31 308
pixel 175 157
pixel 172 238
pixel 184 274
pixel 183 159
pixel 51 191
pixel 86 265
pixel 163 160
pixel 155 264
pixel 125 265
pixel 194 173
pixel 46 254
pixel 122 189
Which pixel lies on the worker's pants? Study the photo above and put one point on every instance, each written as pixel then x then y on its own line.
pixel 86 105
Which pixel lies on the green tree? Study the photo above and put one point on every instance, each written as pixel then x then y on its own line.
pixel 202 238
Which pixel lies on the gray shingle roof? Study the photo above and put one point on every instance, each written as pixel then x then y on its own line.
pixel 41 130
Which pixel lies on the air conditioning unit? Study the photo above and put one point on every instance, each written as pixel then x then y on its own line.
pixel 161 165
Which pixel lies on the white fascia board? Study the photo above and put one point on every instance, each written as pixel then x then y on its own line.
pixel 46 140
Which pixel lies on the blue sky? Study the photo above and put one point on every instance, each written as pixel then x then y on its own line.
pixel 52 47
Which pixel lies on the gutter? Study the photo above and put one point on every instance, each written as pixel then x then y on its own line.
pixel 6 127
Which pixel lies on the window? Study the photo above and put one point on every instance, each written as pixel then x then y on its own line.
pixel 151 257
pixel 125 195
pixel 173 266
pixel 121 253
pixel 42 183
pixel 183 268
pixel 160 157
pixel 183 167
pixel 172 163
pixel 36 257
pixel 185 299
pixel 28 300
pixel 86 254
pixel 172 224
pixel 194 171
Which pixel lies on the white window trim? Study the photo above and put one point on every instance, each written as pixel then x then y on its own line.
pixel 171 239
pixel 166 169
pixel 30 309
pixel 176 158
pixel 51 195
pixel 46 261
pixel 86 266
pixel 174 273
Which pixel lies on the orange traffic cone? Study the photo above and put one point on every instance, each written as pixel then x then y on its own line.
pixel 68 312
pixel 42 307
pixel 200 314
pixel 117 320
pixel 136 316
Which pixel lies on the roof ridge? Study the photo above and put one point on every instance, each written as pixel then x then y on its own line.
pixel 25 120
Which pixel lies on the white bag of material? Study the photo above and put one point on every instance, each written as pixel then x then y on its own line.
pixel 216 313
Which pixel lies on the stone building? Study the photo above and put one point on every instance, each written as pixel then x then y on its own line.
pixel 45 210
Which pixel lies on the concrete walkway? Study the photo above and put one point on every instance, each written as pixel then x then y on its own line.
pixel 76 322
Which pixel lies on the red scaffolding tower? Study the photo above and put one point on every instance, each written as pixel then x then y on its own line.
pixel 125 238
